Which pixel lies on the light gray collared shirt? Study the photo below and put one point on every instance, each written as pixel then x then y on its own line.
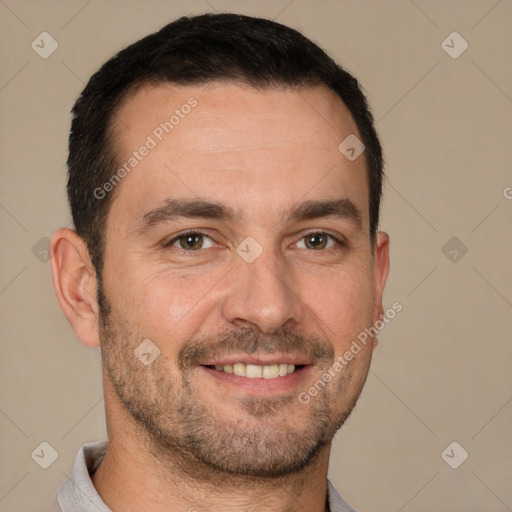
pixel 78 494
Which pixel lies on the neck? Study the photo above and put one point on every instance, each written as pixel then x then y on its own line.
pixel 128 481
pixel 133 478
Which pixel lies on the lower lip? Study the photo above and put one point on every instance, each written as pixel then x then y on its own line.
pixel 261 386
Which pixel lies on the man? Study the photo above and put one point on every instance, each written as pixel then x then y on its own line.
pixel 224 181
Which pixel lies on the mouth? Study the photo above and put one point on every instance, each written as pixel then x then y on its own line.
pixel 255 371
pixel 259 376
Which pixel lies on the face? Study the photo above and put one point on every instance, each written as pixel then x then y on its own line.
pixel 238 244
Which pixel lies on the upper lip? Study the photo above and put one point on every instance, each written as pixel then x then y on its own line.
pixel 260 360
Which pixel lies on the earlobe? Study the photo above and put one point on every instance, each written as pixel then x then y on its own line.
pixel 74 280
pixel 381 271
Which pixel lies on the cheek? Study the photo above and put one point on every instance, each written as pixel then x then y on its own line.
pixel 175 306
pixel 343 301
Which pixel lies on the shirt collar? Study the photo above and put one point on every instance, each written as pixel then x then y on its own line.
pixel 78 494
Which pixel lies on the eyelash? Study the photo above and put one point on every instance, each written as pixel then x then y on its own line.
pixel 185 233
pixel 339 242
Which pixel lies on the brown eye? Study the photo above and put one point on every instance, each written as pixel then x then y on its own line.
pixel 192 242
pixel 316 241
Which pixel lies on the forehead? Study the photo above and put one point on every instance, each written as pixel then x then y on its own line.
pixel 254 147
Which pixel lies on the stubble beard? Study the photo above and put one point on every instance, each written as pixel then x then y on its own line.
pixel 182 432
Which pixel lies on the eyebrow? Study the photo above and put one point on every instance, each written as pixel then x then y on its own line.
pixel 189 208
pixel 342 208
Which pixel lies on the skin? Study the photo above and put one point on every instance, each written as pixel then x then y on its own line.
pixel 179 438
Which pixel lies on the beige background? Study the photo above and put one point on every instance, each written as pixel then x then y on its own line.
pixel 441 372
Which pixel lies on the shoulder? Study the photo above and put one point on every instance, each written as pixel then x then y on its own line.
pixel 336 502
pixel 77 492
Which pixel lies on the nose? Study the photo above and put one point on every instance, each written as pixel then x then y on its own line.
pixel 262 294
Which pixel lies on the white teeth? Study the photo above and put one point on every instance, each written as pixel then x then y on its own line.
pixel 271 372
pixel 255 371
pixel 239 369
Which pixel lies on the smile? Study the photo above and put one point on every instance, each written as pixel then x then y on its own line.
pixel 254 371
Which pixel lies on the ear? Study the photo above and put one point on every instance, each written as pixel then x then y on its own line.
pixel 74 280
pixel 381 271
